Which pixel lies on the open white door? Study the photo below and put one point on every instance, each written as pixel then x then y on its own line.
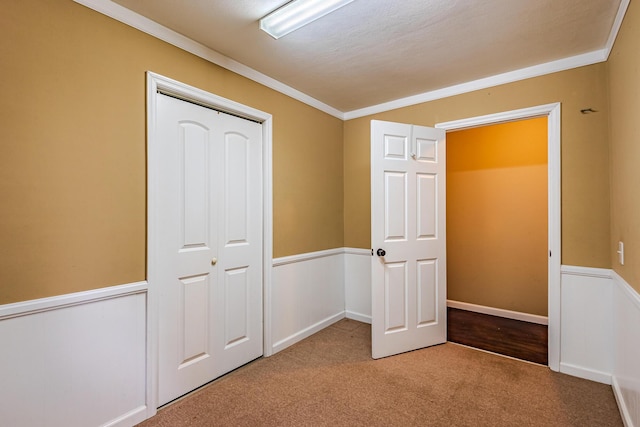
pixel 408 267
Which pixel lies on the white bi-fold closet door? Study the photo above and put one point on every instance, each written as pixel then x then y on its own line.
pixel 209 245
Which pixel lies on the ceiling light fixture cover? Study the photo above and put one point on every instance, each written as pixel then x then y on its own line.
pixel 296 14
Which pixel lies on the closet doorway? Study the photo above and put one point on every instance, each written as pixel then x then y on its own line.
pixel 209 231
pixel 502 232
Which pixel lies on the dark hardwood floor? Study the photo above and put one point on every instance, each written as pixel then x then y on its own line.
pixel 515 338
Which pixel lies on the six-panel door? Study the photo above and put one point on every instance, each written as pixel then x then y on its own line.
pixel 408 223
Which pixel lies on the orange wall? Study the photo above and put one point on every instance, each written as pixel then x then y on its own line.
pixel 73 159
pixel 497 216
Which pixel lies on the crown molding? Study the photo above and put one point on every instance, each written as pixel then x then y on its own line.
pixel 617 23
pixel 589 58
pixel 128 17
pixel 499 79
pixel 146 25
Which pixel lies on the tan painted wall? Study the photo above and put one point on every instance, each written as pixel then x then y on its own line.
pixel 624 90
pixel 72 153
pixel 497 216
pixel 585 167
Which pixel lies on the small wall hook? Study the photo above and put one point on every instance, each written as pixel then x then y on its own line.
pixel 588 111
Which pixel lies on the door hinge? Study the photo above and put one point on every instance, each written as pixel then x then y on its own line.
pixel 371 251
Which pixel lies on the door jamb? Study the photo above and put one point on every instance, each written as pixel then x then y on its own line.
pixel 552 112
pixel 155 84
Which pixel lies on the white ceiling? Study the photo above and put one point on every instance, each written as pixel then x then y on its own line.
pixel 376 51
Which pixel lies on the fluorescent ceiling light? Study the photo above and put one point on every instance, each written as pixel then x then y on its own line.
pixel 296 14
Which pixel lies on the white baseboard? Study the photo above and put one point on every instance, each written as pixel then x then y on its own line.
pixel 622 405
pixel 358 316
pixel 516 315
pixel 313 290
pixel 586 373
pixel 307 332
pixel 131 418
pixel 307 294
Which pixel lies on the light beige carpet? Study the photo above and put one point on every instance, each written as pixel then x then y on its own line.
pixel 329 379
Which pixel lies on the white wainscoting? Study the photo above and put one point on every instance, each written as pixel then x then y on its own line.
pixel 307 295
pixel 626 338
pixel 586 328
pixel 357 284
pixel 80 359
pixel 75 360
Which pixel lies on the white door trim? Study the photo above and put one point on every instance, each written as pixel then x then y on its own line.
pixel 552 112
pixel 155 83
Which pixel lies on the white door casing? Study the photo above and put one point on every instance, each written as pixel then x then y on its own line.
pixel 408 168
pixel 552 112
pixel 238 311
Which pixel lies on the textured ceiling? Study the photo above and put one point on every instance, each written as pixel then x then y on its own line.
pixel 374 51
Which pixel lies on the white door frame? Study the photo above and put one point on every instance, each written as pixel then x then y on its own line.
pixel 552 112
pixel 156 83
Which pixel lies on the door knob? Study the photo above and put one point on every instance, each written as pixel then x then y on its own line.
pixel 214 261
pixel 381 252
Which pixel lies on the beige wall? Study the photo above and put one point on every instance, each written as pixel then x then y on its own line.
pixel 72 153
pixel 497 216
pixel 624 89
pixel 585 167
